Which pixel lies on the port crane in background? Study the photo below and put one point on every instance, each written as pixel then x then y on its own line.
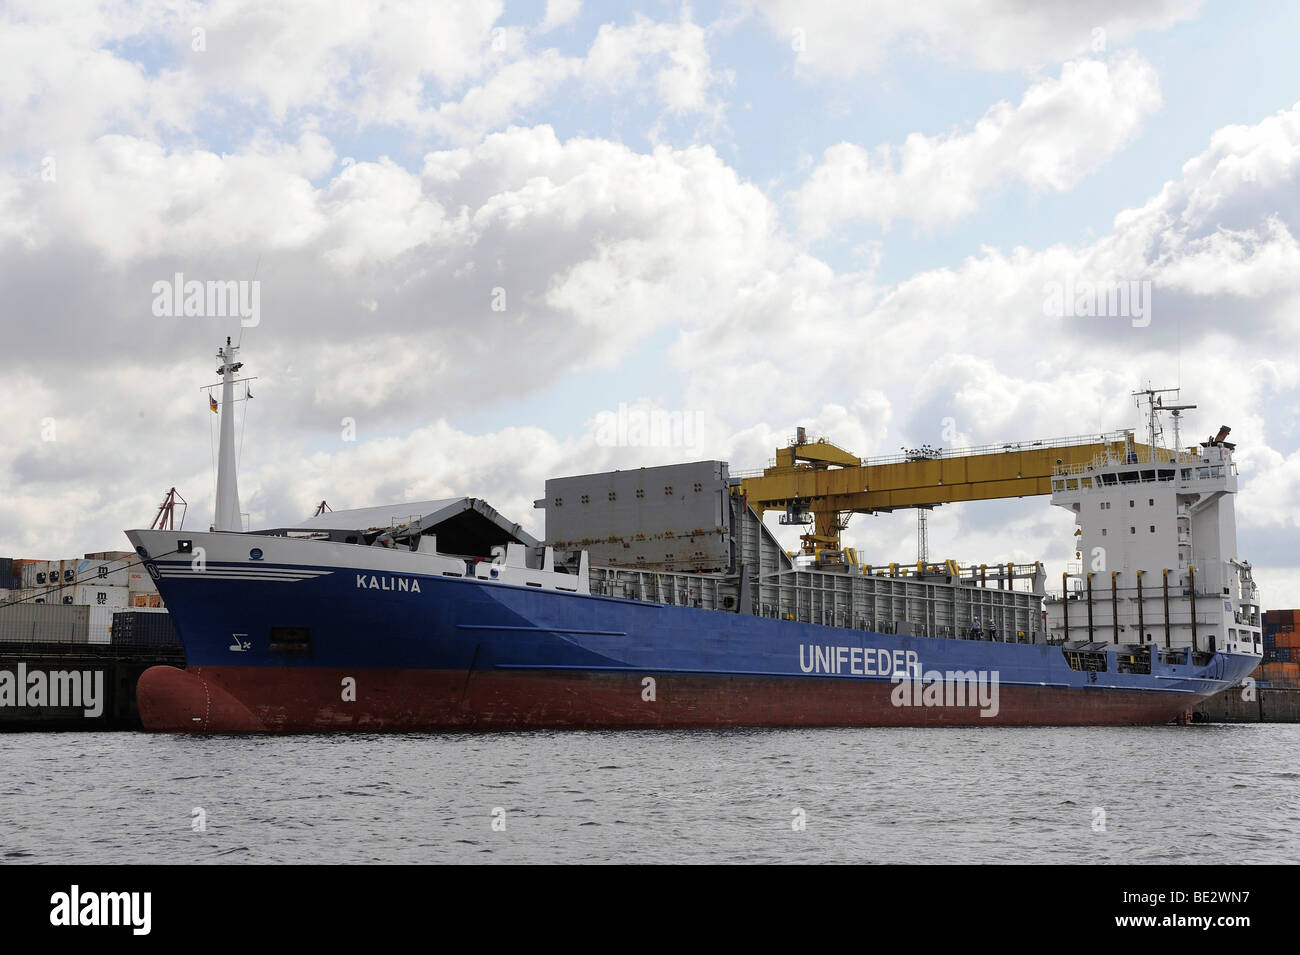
pixel 818 484
pixel 165 519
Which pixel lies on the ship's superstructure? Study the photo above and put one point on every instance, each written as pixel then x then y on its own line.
pixel 1157 549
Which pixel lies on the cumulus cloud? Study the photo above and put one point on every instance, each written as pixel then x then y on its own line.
pixel 380 280
pixel 970 354
pixel 379 288
pixel 1061 130
pixel 453 69
pixel 841 40
pixel 558 13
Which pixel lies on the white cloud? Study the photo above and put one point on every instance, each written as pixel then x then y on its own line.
pixel 558 13
pixel 1061 130
pixel 379 284
pixel 451 69
pixel 846 39
pixel 378 281
pixel 972 343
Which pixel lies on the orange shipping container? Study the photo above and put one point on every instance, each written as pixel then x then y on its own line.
pixel 1287 674
pixel 1291 639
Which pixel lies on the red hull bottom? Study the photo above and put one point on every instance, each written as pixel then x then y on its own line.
pixel 310 700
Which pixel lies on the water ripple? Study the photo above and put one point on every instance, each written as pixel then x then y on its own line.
pixel 996 795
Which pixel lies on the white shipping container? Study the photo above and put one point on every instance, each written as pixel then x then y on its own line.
pixel 112 572
pixel 139 581
pixel 31 570
pixel 43 573
pixel 86 595
pixel 100 629
pixel 54 573
pixel 97 595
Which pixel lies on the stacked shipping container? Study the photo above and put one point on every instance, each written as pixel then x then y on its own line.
pixel 1281 666
pixel 72 601
pixel 75 623
pixel 107 579
pixel 44 623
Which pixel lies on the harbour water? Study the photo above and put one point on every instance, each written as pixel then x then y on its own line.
pixel 1175 795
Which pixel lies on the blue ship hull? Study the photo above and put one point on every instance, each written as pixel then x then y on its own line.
pixel 328 648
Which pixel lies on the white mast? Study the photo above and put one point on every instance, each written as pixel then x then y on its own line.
pixel 227 517
pixel 1156 405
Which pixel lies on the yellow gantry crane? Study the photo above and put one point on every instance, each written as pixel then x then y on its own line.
pixel 819 484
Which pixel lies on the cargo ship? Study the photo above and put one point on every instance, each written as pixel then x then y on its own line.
pixel 660 598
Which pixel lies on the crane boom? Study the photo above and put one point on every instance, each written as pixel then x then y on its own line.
pixel 819 483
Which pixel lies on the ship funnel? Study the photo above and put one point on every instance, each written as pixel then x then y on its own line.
pixel 1224 430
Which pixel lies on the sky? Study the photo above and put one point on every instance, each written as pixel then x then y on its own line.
pixel 470 236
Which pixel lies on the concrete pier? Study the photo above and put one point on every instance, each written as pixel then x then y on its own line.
pixel 120 667
pixel 1272 704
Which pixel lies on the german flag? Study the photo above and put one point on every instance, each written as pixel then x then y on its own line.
pixel 212 404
